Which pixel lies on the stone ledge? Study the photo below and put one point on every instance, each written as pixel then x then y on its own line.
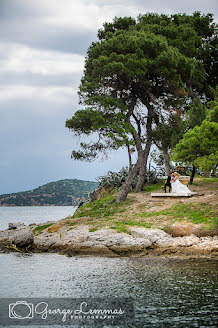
pixel 161 194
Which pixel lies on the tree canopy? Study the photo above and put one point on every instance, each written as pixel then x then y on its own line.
pixel 200 145
pixel 136 76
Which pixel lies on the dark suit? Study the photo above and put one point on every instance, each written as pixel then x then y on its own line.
pixel 168 184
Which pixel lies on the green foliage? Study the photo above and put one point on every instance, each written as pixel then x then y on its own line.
pixel 114 179
pixel 207 163
pixel 196 114
pixel 104 207
pixel 93 229
pixel 168 132
pixel 157 58
pixel 122 226
pixel 111 181
pixel 200 144
pixel 213 114
pixel 40 228
pixel 153 187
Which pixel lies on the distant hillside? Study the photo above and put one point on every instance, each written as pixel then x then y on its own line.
pixel 63 192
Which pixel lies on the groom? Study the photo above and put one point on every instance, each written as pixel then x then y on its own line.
pixel 169 182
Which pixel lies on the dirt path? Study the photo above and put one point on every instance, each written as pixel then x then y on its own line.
pixel 206 193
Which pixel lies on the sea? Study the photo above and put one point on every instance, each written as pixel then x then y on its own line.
pixel 33 214
pixel 165 292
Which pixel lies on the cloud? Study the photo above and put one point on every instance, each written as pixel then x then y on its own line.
pixel 25 59
pixel 42 49
pixel 48 94
pixel 72 25
pixel 51 76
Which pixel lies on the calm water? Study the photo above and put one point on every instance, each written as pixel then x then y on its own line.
pixel 166 293
pixel 33 214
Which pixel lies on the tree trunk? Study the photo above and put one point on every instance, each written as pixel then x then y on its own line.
pixel 144 158
pixel 143 168
pixel 193 174
pixel 127 185
pixel 142 177
pixel 130 158
pixel 166 161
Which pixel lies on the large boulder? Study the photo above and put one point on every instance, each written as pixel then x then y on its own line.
pixel 23 238
pixel 15 225
pixel 153 235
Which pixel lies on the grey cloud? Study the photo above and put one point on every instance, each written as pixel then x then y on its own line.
pixel 35 145
pixel 27 78
pixel 22 21
pixel 39 35
pixel 161 6
pixel 37 150
pixel 10 9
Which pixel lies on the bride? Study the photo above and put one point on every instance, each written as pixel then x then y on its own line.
pixel 177 186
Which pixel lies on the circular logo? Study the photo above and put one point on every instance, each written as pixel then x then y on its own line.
pixel 21 310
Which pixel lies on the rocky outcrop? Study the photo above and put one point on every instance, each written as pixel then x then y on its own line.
pixel 107 242
pixel 23 238
pixel 18 234
pixel 16 225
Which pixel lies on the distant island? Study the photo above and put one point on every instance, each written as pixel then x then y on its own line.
pixel 66 192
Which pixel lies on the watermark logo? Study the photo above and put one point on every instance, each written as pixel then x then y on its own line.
pixel 21 310
pixel 57 311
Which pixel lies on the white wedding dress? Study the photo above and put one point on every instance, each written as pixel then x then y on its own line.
pixel 179 188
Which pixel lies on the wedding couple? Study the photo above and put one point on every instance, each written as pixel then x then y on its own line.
pixel 177 186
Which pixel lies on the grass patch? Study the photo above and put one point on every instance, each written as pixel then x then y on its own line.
pixel 93 229
pixel 72 223
pixel 133 223
pixel 102 208
pixel 39 229
pixel 120 229
pixel 153 187
pixel 194 212
pixel 122 226
pixel 203 180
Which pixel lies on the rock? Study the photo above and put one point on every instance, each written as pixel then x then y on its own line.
pixel 119 243
pixel 86 248
pixel 43 243
pixel 186 241
pixel 179 229
pixel 106 242
pixel 109 239
pixel 152 235
pixel 207 238
pixel 166 242
pixel 23 238
pixel 4 236
pixel 16 225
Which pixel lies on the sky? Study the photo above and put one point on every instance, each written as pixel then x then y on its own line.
pixel 43 44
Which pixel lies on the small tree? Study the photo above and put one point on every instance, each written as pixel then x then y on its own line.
pixel 199 145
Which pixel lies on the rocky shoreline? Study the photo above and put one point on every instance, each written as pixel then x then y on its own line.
pixel 105 242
